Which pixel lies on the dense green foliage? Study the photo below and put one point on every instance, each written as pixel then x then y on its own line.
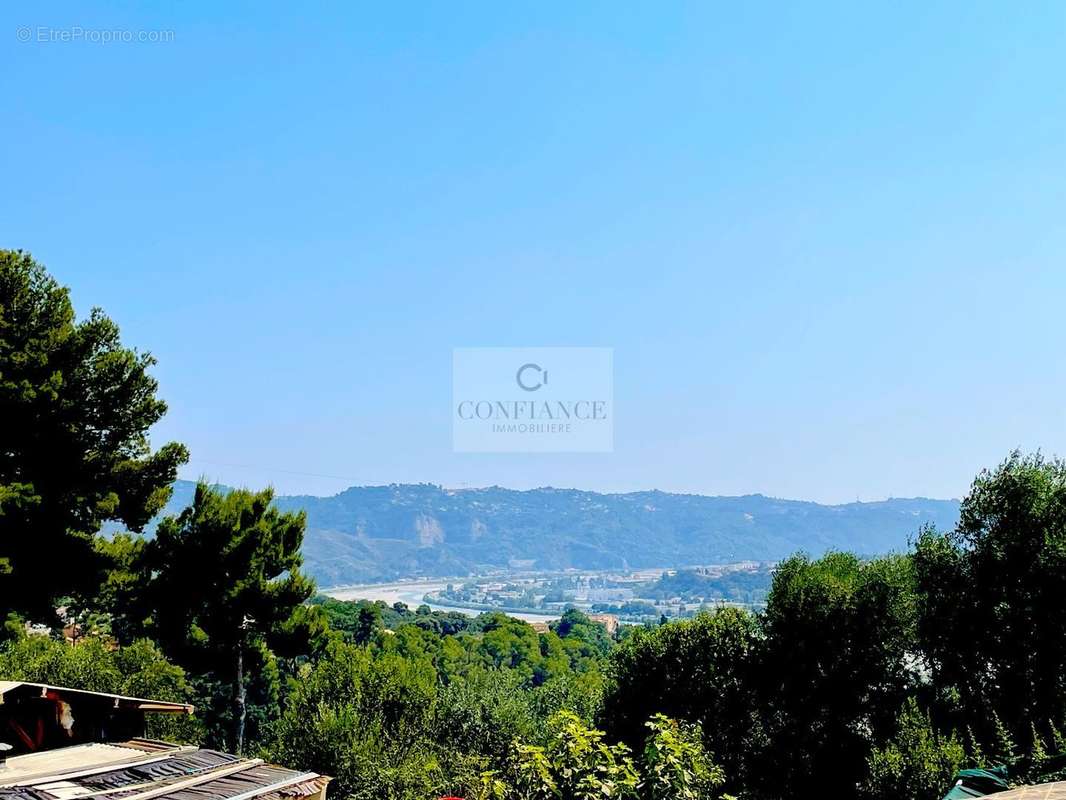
pixel 695 670
pixel 412 712
pixel 991 597
pixel 916 762
pixel 390 723
pixel 75 407
pixel 964 634
pixel 833 666
pixel 222 591
pixel 738 586
pixel 358 620
pixel 677 764
pixel 364 716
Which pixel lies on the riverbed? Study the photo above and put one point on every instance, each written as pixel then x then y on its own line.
pixel 413 592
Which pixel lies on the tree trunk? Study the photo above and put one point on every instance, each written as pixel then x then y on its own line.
pixel 241 699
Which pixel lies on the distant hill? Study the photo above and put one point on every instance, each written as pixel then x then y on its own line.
pixel 369 533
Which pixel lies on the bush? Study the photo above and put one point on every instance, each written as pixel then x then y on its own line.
pixel 676 765
pixel 576 765
pixel 918 763
pixel 365 719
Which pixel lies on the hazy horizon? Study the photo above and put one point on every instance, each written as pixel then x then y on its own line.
pixel 470 488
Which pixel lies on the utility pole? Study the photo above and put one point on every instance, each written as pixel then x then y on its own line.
pixel 242 694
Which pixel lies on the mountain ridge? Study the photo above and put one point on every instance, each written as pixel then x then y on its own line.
pixel 391 531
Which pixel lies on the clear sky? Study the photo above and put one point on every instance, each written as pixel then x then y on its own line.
pixel 827 242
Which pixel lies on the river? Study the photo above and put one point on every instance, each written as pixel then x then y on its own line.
pixel 412 592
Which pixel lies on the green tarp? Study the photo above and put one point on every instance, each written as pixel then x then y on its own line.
pixel 978 783
pixel 982 782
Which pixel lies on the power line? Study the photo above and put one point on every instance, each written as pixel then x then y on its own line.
pixel 262 468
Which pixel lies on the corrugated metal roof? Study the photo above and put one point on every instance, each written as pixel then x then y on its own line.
pixel 140 703
pixel 256 782
pixel 28 768
pixel 179 774
pixel 159 770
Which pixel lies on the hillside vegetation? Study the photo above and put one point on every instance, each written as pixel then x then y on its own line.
pixel 378 533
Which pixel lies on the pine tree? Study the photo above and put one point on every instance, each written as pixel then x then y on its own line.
pixel 1057 739
pixel 976 752
pixel 226 583
pixel 1037 753
pixel 75 410
pixel 1004 750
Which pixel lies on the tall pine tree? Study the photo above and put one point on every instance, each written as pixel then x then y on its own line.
pixel 75 410
pixel 225 583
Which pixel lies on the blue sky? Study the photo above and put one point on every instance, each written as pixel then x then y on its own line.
pixel 826 242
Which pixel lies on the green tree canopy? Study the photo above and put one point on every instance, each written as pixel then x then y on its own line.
pixel 991 615
pixel 834 667
pixel 697 670
pixel 74 452
pixel 581 636
pixel 916 763
pixel 364 718
pixel 225 582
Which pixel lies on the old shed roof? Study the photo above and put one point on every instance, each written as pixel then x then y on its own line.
pixel 1040 791
pixel 146 770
